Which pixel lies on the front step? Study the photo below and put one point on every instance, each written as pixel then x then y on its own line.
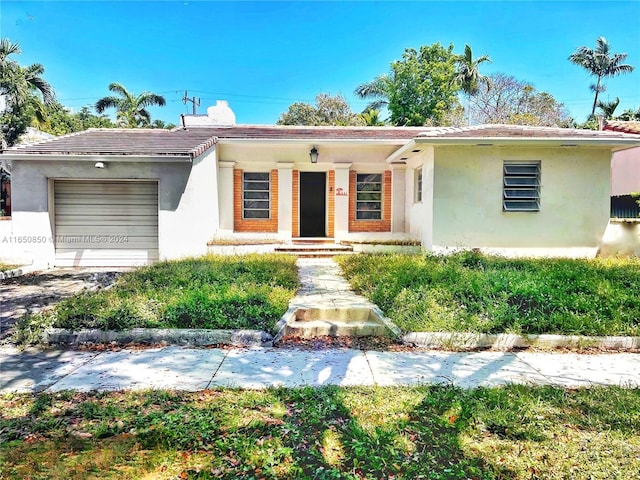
pixel 335 328
pixel 335 322
pixel 314 249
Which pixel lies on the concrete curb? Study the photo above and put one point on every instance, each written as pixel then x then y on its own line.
pixel 18 272
pixel 505 341
pixel 177 336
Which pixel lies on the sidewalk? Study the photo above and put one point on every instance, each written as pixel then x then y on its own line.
pixel 179 368
pixel 195 369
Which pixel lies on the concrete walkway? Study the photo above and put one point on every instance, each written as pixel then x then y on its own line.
pixel 323 286
pixel 195 369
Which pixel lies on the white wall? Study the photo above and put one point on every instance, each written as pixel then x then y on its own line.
pixel 188 202
pixel 467 198
pixel 419 215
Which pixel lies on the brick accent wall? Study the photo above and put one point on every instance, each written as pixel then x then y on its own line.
pixel 331 204
pixel 295 207
pixel 383 225
pixel 258 225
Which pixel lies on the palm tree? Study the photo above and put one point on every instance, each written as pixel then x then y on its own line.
pixel 377 90
pixel 131 109
pixel 24 94
pixel 18 84
pixel 607 108
pixel 468 75
pixel 371 118
pixel 601 63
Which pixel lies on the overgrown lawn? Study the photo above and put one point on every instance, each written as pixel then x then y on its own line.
pixel 250 291
pixel 472 292
pixel 437 432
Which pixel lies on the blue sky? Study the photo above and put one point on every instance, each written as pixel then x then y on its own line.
pixel 263 56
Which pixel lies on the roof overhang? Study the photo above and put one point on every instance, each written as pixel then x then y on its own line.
pixel 612 144
pixel 307 141
pixel 62 157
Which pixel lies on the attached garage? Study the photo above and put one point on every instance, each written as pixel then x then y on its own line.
pixel 105 223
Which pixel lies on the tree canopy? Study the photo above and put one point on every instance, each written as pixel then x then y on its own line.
pixel 61 121
pixel 505 99
pixel 24 92
pixel 601 63
pixel 420 89
pixel 328 110
pixel 131 109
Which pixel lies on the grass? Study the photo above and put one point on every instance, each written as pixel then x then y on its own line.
pixel 250 291
pixel 6 266
pixel 514 432
pixel 472 292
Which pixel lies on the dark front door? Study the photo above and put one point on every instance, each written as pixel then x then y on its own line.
pixel 313 194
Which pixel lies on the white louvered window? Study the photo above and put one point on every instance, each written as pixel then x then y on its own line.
pixel 521 187
pixel 368 196
pixel 256 195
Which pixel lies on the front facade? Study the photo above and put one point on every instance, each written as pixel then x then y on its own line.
pixel 115 197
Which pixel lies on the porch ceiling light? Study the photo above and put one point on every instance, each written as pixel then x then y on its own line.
pixel 313 155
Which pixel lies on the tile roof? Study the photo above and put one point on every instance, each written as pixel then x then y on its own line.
pixel 623 126
pixel 116 141
pixel 286 132
pixel 194 141
pixel 518 131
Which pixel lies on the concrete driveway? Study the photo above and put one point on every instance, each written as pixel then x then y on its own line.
pixel 36 291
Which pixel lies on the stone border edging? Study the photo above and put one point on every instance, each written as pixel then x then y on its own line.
pixel 506 341
pixel 20 271
pixel 176 336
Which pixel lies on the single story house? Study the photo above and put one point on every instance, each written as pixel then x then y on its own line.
pixel 625 172
pixel 127 197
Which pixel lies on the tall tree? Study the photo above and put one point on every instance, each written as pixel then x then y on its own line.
pixel 328 110
pixel 420 88
pixel 131 109
pixel 468 75
pixel 505 99
pixel 601 63
pixel 23 91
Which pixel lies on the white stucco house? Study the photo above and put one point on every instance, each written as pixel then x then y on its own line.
pixel 123 197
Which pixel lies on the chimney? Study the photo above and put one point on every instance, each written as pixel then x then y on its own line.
pixel 218 115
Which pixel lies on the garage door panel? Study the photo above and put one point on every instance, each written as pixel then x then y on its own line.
pixel 128 230
pixel 90 199
pixel 105 188
pixel 97 242
pixel 105 209
pixel 86 220
pixel 102 223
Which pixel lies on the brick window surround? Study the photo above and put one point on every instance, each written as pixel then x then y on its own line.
pixel 382 225
pixel 257 225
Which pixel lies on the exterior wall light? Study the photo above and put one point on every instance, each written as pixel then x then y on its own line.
pixel 100 165
pixel 313 155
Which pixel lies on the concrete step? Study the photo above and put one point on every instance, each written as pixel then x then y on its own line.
pixel 335 328
pixel 356 321
pixel 315 249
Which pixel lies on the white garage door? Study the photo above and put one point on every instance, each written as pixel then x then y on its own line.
pixel 99 223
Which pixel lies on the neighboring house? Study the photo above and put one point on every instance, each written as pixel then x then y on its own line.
pixel 625 173
pixel 115 197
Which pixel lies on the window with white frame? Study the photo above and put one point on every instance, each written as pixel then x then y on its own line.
pixel 417 176
pixel 368 196
pixel 521 187
pixel 256 195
